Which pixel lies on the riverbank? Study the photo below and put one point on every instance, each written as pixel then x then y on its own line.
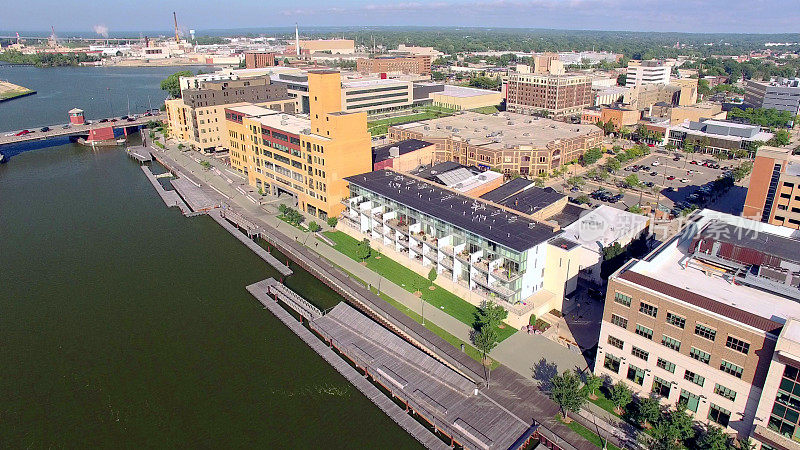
pixel 10 91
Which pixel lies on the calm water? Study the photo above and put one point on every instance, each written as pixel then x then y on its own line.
pixel 99 91
pixel 124 323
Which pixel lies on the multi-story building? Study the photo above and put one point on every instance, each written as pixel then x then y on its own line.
pixel 461 98
pixel 259 60
pixel 676 115
pixel 688 93
pixel 509 142
pixel 198 117
pixel 553 95
pixel 706 320
pixel 416 64
pixel 335 46
pixel 607 95
pixel 773 195
pixel 718 136
pixel 779 93
pixel 620 115
pixel 306 158
pixel 647 72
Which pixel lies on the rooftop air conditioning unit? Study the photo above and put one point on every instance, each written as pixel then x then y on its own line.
pixel 394 152
pixel 428 128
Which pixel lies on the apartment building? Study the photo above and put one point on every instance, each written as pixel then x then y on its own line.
pixel 410 64
pixel 553 95
pixel 259 60
pixel 773 195
pixel 304 158
pixel 718 136
pixel 197 118
pixel 509 142
pixel 779 93
pixel 647 72
pixel 702 320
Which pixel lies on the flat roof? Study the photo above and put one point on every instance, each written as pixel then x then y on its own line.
pixel 463 91
pixel 507 189
pixel 499 130
pixel 665 270
pixel 251 110
pixel 376 82
pixel 603 226
pixel 476 216
pixel 382 153
pixel 286 122
pixel 532 199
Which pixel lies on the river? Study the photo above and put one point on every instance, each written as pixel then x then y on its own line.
pixel 123 323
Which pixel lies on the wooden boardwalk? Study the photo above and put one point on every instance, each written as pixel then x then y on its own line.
pixel 171 198
pixel 414 428
pixel 141 154
pixel 193 194
pixel 257 249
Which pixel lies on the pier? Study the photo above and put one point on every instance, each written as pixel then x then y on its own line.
pixel 171 198
pixel 141 154
pixel 252 245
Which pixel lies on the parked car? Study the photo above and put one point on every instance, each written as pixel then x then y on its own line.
pixel 693 162
pixel 655 163
pixel 66 126
pixel 677 158
pixel 685 180
pixel 23 133
pixel 103 120
pixel 654 174
pixel 45 129
pixel 671 177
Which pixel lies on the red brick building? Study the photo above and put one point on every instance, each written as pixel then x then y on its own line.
pixel 416 64
pixel 258 60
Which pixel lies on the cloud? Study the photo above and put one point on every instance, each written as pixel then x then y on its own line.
pixel 102 30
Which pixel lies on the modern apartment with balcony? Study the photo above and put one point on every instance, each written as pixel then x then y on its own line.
pixel 705 320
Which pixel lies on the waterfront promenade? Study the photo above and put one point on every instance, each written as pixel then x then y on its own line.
pixel 512 385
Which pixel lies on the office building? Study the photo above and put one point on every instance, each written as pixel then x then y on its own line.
pixel 607 95
pixel 688 92
pixel 414 50
pixel 620 115
pixel 462 98
pixel 709 319
pixel 779 93
pixel 548 94
pixel 259 60
pixel 676 115
pixel 773 195
pixel 197 118
pixel 718 136
pixel 335 46
pixel 647 72
pixel 511 143
pixel 409 64
pixel 304 158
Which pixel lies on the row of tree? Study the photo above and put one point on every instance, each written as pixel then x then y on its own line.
pixel 46 59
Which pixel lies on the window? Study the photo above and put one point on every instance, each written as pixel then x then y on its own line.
pixel 622 299
pixel 674 344
pixel 690 400
pixel 722 391
pixel 719 415
pixel 666 365
pixel 639 353
pixel 700 355
pixel 661 387
pixel 786 410
pixel 731 368
pixel 611 363
pixel 643 331
pixel 616 342
pixel 619 321
pixel 635 374
pixel 705 332
pixel 648 309
pixel 694 378
pixel 676 320
pixel 738 345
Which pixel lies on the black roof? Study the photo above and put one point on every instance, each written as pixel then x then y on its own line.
pixel 430 172
pixel 771 244
pixel 507 190
pixel 409 145
pixel 532 199
pixel 568 215
pixel 490 222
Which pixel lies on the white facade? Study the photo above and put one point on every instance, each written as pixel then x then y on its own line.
pixel 647 72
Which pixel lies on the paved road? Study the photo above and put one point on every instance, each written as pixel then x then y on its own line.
pixel 58 130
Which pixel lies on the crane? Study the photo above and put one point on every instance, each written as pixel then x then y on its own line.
pixel 175 18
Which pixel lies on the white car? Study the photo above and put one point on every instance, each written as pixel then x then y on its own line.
pixel 9 134
pixel 685 180
pixel 655 163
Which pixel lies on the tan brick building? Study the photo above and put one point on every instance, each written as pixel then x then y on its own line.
pixel 773 195
pixel 413 64
pixel 556 95
pixel 509 142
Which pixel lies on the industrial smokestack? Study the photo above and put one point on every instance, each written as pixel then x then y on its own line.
pixel 296 40
pixel 175 18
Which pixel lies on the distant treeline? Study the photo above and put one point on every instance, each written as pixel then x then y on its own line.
pixel 46 59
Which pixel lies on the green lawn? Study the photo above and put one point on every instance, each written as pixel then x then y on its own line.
pixel 603 402
pixel 381 126
pixel 300 227
pixel 411 281
pixel 589 435
pixel 486 110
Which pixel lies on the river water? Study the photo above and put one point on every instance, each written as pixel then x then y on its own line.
pixel 123 323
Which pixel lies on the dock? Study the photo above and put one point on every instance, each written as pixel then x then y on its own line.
pixel 257 249
pixel 193 195
pixel 171 198
pixel 141 154
pixel 391 409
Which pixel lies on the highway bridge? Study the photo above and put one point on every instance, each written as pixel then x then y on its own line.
pixel 78 130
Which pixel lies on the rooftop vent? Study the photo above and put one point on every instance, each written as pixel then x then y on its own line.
pixel 394 152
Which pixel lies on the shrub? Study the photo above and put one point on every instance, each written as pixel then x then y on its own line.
pixel 332 222
pixel 313 227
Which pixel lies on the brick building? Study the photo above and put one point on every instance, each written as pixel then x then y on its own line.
pixel 416 64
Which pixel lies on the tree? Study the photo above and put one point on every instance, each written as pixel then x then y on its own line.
pixel 538 182
pixel 648 411
pixel 632 181
pixel 664 437
pixel 613 164
pixel 364 250
pixel 681 423
pixel 432 275
pixel 620 395
pixel 172 83
pixel 282 208
pixel 703 88
pixel 592 383
pixel 313 227
pixel 592 155
pixel 714 439
pixel 490 315
pixel 576 181
pixel 622 79
pixel 780 139
pixel 565 389
pixel 332 222
pixel 485 340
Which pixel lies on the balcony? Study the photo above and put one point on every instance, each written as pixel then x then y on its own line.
pixel 398 225
pixel 448 250
pixel 463 256
pixel 504 292
pixel 447 263
pixel 482 264
pixel 505 274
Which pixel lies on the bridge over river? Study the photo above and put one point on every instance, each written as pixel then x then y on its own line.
pixel 83 130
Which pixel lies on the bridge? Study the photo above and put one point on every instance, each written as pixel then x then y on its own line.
pixel 78 130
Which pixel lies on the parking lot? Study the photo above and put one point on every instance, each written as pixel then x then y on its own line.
pixel 672 181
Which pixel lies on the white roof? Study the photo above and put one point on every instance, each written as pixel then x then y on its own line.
pixel 603 226
pixel 252 110
pixel 463 91
pixel 286 122
pixel 377 82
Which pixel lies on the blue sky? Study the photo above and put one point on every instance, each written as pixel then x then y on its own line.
pixel 750 16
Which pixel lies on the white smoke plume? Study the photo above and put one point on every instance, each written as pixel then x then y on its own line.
pixel 102 30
